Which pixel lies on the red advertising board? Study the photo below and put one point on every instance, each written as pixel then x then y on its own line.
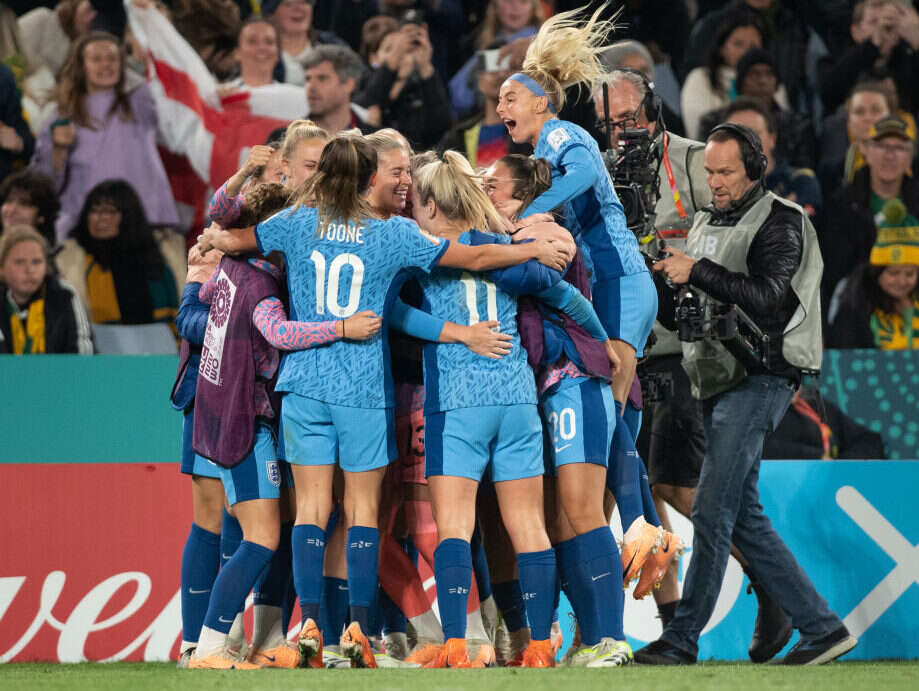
pixel 91 555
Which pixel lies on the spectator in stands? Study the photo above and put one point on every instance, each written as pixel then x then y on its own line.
pixel 28 198
pixel 845 132
pixel 256 53
pixel 404 92
pixel 16 140
pixel 713 86
pixel 883 194
pixel 294 22
pixel 505 21
pixel 757 79
pixel 886 41
pixel 102 128
pixel 795 184
pixel 38 313
pixel 47 33
pixel 123 270
pixel 332 75
pixel 815 428
pixel 211 27
pixel 878 304
pixel 786 29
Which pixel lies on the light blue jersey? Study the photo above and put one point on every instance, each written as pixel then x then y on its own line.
pixel 454 376
pixel 333 272
pixel 582 187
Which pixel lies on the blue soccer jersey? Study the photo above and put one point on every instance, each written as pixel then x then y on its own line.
pixel 454 376
pixel 334 271
pixel 582 187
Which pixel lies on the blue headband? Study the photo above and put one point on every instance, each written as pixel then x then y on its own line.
pixel 535 88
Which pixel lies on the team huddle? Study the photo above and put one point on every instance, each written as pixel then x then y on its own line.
pixel 397 367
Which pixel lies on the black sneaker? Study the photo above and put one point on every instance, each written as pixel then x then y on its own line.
pixel 662 653
pixel 773 627
pixel 821 650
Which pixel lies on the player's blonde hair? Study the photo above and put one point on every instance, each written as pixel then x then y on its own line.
pixel 299 131
pixel 453 185
pixel 565 52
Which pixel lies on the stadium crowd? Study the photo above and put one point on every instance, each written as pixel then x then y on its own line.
pixel 127 128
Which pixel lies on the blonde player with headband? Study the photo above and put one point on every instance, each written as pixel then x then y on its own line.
pixel 564 53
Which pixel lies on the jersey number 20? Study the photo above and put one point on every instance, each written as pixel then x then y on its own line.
pixel 329 294
pixel 472 298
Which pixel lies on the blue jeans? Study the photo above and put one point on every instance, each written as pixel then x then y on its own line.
pixel 727 509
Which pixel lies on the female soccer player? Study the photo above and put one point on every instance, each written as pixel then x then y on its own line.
pixel 563 54
pixel 339 399
pixel 236 410
pixel 480 413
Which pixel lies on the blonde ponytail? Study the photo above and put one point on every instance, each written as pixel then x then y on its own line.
pixel 454 187
pixel 565 52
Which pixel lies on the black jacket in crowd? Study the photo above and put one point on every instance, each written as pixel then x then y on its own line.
pixel 858 63
pixel 848 232
pixel 421 111
pixel 67 327
pixel 798 437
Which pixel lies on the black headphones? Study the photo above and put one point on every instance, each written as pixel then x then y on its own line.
pixel 751 148
pixel 651 103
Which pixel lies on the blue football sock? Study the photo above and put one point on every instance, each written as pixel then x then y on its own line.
pixel 362 554
pixel 602 569
pixel 334 613
pixel 231 534
pixel 391 617
pixel 233 583
pixel 632 417
pixel 537 583
pixel 453 574
pixel 308 545
pixel 271 587
pixel 480 566
pixel 510 601
pixel 623 471
pixel 578 592
pixel 290 597
pixel 200 562
pixel 647 500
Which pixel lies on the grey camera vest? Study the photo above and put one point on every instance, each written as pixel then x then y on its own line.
pixel 688 165
pixel 711 368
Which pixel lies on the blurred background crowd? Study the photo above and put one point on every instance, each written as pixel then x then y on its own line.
pixel 118 121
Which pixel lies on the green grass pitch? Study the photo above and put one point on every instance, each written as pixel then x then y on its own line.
pixel 839 676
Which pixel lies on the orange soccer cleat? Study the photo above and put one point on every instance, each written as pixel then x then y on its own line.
pixel 636 552
pixel 222 659
pixel 484 656
pixel 539 654
pixel 424 655
pixel 309 644
pixel 453 655
pixel 284 655
pixel 355 646
pixel 657 564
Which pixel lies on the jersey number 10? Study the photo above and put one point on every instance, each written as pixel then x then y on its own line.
pixel 328 294
pixel 472 298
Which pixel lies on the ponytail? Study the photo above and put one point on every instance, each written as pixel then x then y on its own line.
pixel 532 177
pixel 453 185
pixel 342 177
pixel 565 53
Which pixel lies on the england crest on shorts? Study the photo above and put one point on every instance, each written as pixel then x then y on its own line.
pixel 274 473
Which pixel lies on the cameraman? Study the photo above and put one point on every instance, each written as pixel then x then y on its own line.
pixel 759 252
pixel 672 438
